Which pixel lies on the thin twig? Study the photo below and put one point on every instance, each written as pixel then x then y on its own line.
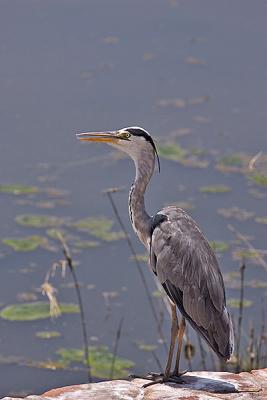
pixel 139 268
pixel 251 352
pixel 260 339
pixel 240 317
pixel 67 254
pixel 115 350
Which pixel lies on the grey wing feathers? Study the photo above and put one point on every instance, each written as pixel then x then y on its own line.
pixel 187 268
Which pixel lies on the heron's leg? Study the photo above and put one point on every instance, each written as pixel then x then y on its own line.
pixel 174 332
pixel 180 342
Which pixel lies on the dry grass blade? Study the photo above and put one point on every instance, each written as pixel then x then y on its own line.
pixel 115 350
pixel 240 318
pixel 49 291
pixel 251 165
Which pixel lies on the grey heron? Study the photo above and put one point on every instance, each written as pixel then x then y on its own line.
pixel 179 255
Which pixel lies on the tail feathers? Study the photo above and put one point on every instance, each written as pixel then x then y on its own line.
pixel 219 335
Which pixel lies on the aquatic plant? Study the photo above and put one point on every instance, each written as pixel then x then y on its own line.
pixel 18 189
pixel 100 361
pixel 219 246
pixel 99 228
pixel 47 334
pixel 27 243
pixel 258 178
pixel 215 189
pixel 235 303
pixel 39 221
pixel 33 311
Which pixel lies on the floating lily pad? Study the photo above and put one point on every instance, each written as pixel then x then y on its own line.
pixel 236 160
pixel 34 311
pixel 175 152
pixel 28 243
pixel 261 220
pixel 236 213
pixel 215 189
pixel 140 257
pixel 158 293
pixel 235 303
pixel 237 163
pixel 99 228
pixel 219 246
pixel 54 233
pixel 185 205
pixel 259 179
pixel 86 244
pixel 39 221
pixel 47 334
pixel 100 361
pixel 256 284
pixel 252 255
pixel 18 189
pixel 172 152
pixel 146 347
pixel 232 279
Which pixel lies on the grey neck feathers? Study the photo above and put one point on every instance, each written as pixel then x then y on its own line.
pixel 144 166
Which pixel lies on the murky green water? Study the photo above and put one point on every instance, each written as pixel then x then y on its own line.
pixel 194 75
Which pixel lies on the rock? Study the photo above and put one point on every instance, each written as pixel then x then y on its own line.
pixel 196 386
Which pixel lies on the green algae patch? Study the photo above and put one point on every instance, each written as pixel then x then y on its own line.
pixel 17 189
pixel 259 179
pixel 100 361
pixel 219 246
pixel 28 243
pixel 235 303
pixel 215 189
pixel 233 160
pixel 101 228
pixel 47 334
pixel 39 221
pixel 86 244
pixel 146 347
pixel 172 152
pixel 243 254
pixel 34 311
pixel 54 233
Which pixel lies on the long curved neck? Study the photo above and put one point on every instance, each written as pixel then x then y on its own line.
pixel 139 217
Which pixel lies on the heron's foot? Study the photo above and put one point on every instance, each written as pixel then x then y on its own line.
pixel 178 374
pixel 160 378
pixel 150 376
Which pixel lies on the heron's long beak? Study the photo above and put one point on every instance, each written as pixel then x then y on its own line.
pixel 108 136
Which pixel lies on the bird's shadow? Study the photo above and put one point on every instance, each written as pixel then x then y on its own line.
pixel 210 385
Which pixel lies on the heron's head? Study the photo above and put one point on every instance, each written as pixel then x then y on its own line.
pixel 134 141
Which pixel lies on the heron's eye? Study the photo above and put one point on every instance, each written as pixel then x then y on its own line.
pixel 124 135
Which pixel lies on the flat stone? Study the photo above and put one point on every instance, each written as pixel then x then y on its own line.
pixel 204 385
